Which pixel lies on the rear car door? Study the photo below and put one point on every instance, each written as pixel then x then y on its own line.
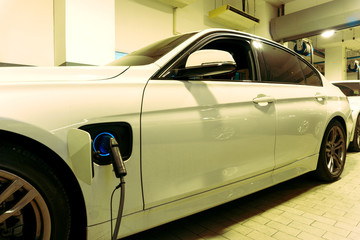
pixel 202 133
pixel 301 103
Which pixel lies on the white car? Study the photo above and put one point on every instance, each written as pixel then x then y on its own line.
pixel 200 119
pixel 351 88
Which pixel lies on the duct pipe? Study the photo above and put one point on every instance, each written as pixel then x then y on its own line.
pixel 335 15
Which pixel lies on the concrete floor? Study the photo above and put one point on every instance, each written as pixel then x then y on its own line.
pixel 302 208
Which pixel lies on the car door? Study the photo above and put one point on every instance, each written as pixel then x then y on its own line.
pixel 202 133
pixel 301 104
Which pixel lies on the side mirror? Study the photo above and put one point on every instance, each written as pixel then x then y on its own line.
pixel 207 62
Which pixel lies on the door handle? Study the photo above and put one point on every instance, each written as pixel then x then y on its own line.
pixel 263 100
pixel 320 97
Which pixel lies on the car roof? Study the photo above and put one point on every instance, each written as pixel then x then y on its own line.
pixel 224 30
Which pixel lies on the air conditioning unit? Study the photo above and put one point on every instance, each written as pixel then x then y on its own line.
pixel 177 3
pixel 233 18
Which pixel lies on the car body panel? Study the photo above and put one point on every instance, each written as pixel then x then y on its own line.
pixel 199 135
pixel 59 74
pixel 354 104
pixel 355 109
pixel 298 128
pixel 161 214
pixel 111 100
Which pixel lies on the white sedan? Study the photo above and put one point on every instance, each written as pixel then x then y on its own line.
pixel 351 88
pixel 195 120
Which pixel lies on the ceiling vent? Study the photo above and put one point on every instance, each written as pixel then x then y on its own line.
pixel 177 3
pixel 233 18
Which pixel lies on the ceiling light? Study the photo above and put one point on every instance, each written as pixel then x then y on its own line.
pixel 328 33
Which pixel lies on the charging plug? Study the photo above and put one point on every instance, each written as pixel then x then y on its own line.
pixel 117 161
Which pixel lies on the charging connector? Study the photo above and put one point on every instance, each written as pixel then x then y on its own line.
pixel 118 163
pixel 120 172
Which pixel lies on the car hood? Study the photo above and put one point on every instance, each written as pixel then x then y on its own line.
pixel 58 74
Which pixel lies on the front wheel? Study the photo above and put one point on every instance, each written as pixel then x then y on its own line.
pixel 33 202
pixel 332 153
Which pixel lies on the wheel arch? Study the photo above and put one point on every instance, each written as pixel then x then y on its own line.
pixel 342 121
pixel 338 118
pixel 63 172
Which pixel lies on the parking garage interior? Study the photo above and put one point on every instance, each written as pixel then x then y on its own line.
pixel 67 33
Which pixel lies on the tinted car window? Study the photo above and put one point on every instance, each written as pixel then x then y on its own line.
pixel 349 89
pixel 279 66
pixel 152 52
pixel 311 77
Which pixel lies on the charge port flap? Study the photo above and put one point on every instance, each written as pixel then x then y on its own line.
pixel 79 149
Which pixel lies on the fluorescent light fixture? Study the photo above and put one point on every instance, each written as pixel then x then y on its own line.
pixel 328 33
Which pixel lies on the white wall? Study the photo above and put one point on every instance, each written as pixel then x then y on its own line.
pixel 28 32
pixel 140 22
pixel 90 31
pixel 33 32
pixel 195 17
pixel 265 12
pixel 352 76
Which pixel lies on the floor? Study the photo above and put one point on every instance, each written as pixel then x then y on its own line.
pixel 302 208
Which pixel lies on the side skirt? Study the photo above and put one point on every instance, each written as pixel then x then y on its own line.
pixel 159 215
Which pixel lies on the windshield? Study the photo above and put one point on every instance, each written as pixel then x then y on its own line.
pixel 349 89
pixel 152 52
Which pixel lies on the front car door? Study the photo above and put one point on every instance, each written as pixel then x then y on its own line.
pixel 202 133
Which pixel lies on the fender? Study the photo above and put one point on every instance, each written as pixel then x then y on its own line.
pixel 38 134
pixel 76 153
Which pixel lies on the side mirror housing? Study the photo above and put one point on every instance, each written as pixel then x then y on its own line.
pixel 209 57
pixel 209 62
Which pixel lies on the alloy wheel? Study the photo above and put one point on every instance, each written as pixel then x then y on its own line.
pixel 335 150
pixel 23 210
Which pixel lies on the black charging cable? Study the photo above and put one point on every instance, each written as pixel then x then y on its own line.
pixel 120 172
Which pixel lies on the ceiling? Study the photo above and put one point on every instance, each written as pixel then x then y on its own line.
pixel 278 2
pixel 349 38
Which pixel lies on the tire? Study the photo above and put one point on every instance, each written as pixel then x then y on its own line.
pixel 355 144
pixel 28 185
pixel 332 153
